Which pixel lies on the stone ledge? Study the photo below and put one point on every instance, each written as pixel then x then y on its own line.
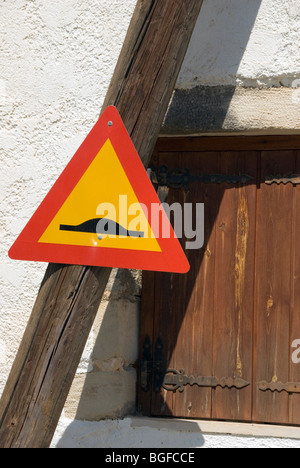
pixel 214 109
pixel 217 427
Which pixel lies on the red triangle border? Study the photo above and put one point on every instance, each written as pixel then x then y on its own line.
pixel 26 247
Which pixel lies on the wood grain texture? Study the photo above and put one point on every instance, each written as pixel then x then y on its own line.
pixel 234 286
pixel 236 313
pixel 49 354
pixel 294 371
pixel 148 67
pixel 69 298
pixel 229 143
pixel 273 287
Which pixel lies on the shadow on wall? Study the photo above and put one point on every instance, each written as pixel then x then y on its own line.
pixel 129 433
pixel 109 389
pixel 208 78
pixel 108 392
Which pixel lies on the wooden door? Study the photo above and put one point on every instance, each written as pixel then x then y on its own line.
pixel 229 324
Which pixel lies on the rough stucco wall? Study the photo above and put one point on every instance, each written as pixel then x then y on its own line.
pixel 55 67
pixel 241 70
pixel 249 43
pixel 56 62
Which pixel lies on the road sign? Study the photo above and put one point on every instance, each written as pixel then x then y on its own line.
pixel 103 210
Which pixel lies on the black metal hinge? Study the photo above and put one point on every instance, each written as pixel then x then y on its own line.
pixel 282 179
pixel 182 178
pixel 152 370
pixel 177 380
pixel 289 387
pixel 155 373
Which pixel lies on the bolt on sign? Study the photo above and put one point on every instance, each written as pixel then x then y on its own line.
pixel 103 210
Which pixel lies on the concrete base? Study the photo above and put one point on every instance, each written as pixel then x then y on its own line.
pixel 171 433
pixel 105 383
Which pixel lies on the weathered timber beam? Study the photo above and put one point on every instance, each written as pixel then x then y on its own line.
pixel 69 296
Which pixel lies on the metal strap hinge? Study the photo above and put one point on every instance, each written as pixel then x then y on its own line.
pixel 182 178
pixel 289 387
pixel 177 380
pixel 155 374
pixel 282 179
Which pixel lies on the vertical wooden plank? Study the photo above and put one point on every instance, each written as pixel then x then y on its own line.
pixel 185 302
pixel 166 321
pixel 294 400
pixel 194 339
pixel 155 45
pixel 169 313
pixel 273 288
pixel 147 315
pixel 146 343
pixel 234 273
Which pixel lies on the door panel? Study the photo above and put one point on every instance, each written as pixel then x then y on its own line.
pixel 187 311
pixel 235 315
pixel 273 287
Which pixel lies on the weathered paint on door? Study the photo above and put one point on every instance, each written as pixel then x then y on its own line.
pixel 236 313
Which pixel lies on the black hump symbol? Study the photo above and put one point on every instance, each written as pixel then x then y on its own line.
pixel 101 226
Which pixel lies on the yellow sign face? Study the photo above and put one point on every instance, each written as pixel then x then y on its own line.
pixel 97 215
pixel 103 210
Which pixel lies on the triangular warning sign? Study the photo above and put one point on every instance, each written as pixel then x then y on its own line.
pixel 103 210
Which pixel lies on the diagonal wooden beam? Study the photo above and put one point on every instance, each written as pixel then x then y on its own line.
pixel 69 296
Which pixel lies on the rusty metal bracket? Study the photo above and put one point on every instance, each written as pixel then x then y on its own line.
pixel 182 178
pixel 176 380
pixel 289 387
pixel 155 374
pixel 152 371
pixel 282 179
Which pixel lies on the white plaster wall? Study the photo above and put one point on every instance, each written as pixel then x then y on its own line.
pixel 56 61
pixel 252 43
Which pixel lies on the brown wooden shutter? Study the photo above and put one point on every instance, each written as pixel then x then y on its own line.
pixel 232 319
